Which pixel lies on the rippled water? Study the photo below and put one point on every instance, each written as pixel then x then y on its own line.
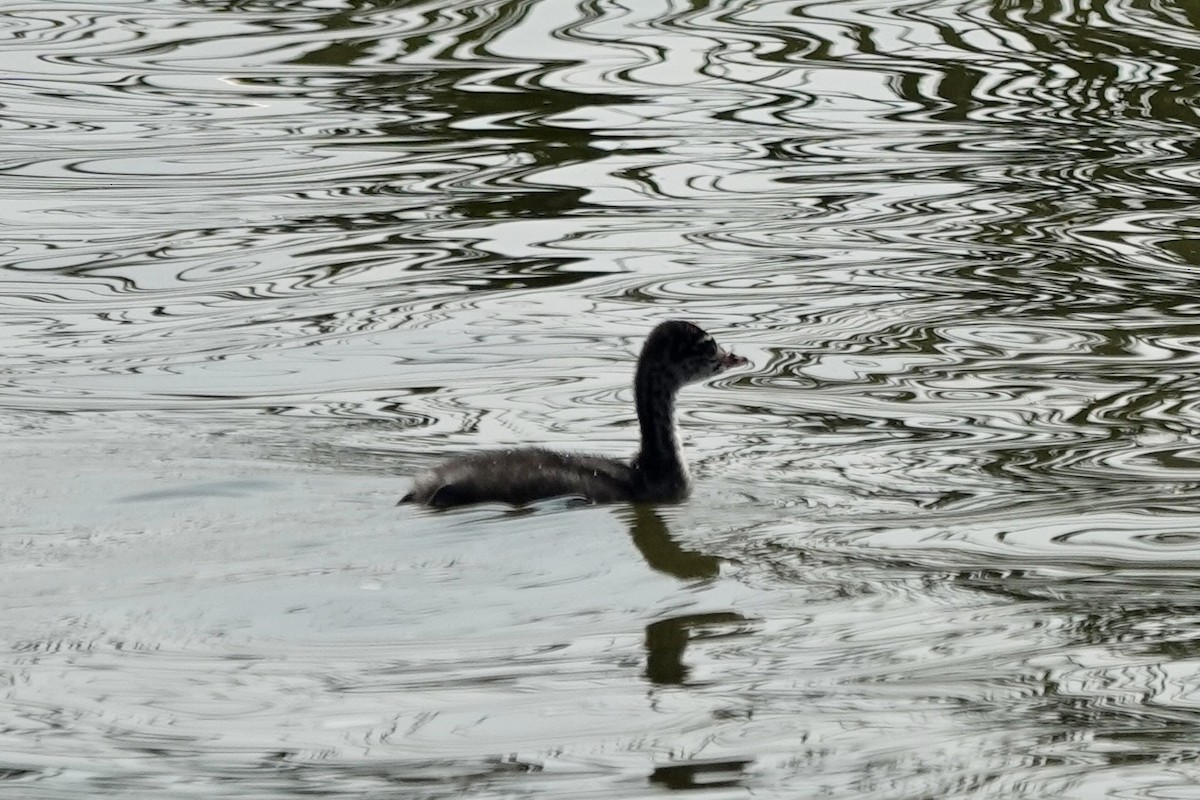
pixel 262 259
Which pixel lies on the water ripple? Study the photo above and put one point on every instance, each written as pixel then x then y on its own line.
pixel 954 491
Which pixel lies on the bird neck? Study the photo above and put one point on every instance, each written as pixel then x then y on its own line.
pixel 660 456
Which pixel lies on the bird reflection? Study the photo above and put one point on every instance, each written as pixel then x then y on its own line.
pixel 667 639
pixel 706 774
pixel 653 540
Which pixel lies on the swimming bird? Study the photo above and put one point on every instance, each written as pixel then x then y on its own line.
pixel 675 354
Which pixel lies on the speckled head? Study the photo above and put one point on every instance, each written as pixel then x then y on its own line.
pixel 685 353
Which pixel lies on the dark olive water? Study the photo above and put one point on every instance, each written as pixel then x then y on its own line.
pixel 261 260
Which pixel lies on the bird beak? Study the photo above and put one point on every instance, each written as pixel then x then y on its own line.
pixel 730 359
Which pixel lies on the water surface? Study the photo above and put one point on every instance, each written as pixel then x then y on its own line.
pixel 263 260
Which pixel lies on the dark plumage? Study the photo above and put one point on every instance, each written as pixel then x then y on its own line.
pixel 676 353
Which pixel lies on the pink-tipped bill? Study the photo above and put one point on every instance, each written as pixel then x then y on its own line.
pixel 730 359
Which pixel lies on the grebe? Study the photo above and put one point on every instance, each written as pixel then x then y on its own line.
pixel 676 353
